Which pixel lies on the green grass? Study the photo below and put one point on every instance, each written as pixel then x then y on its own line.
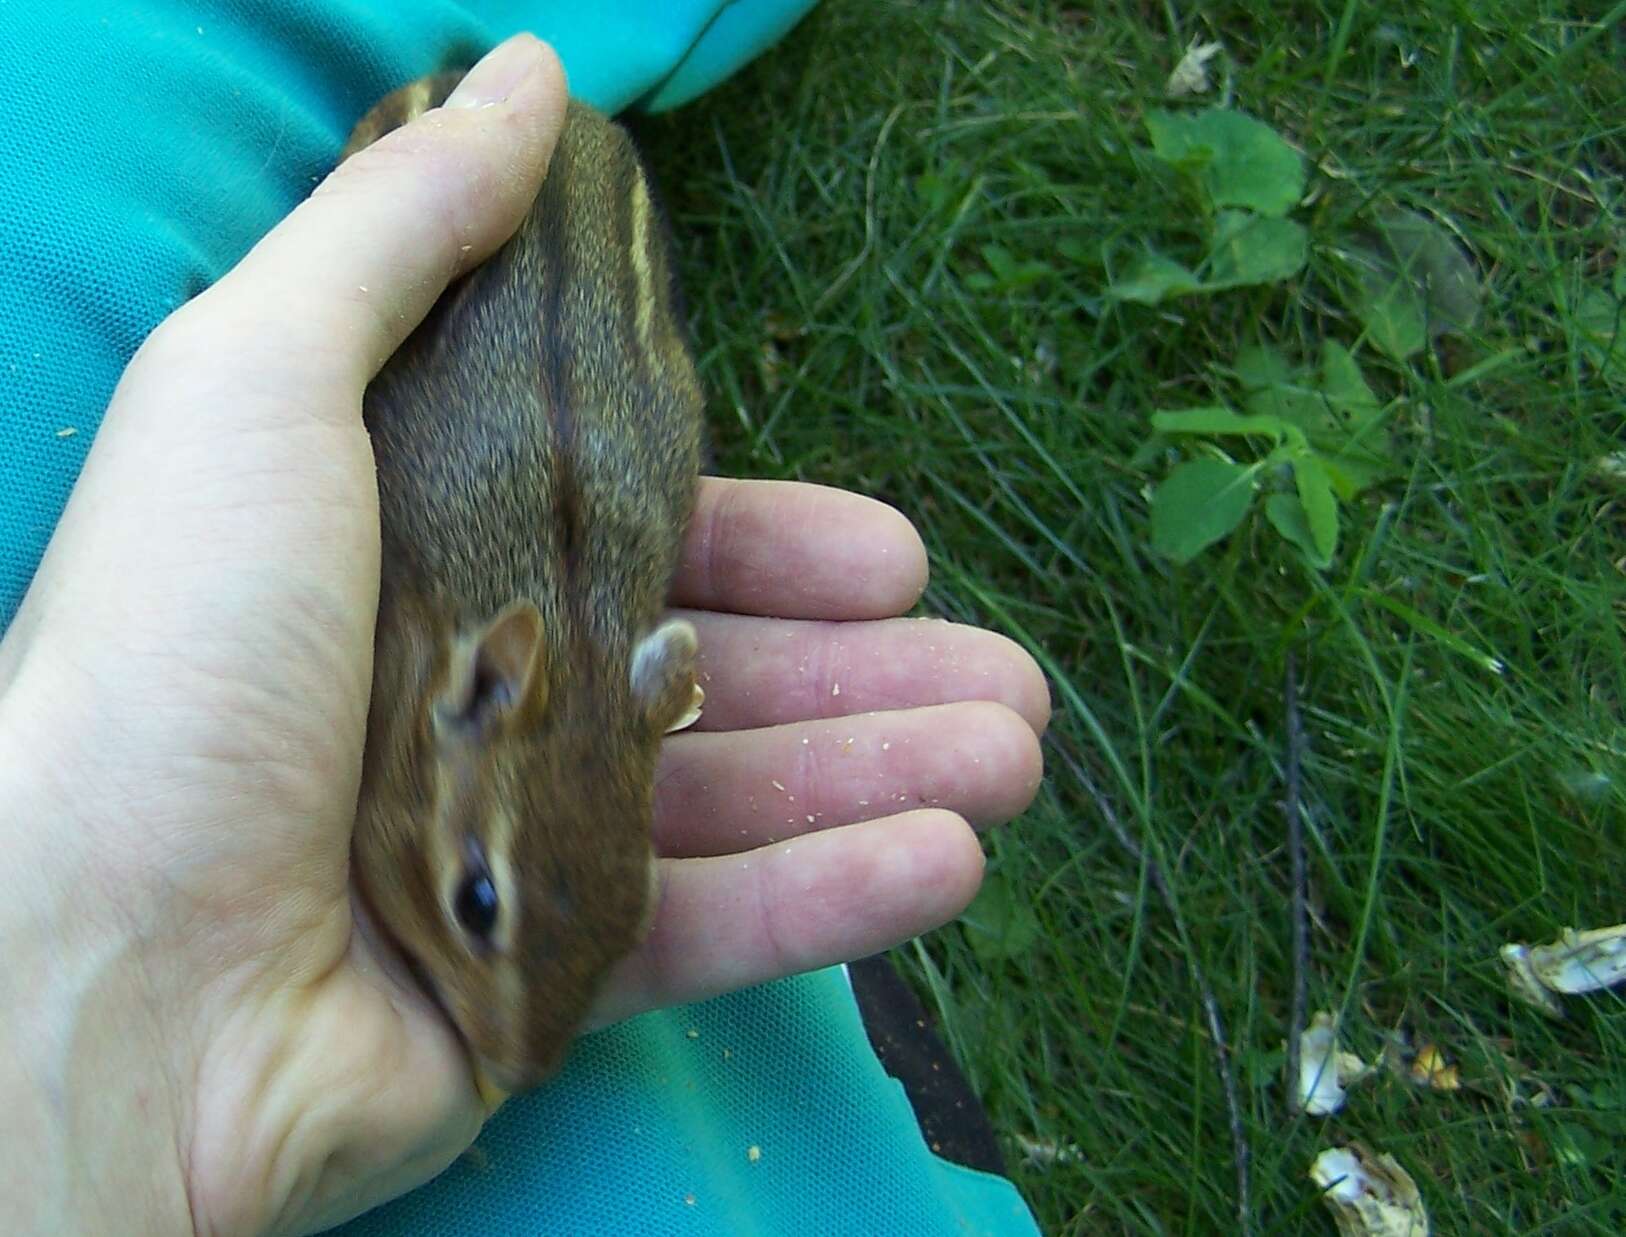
pixel 835 202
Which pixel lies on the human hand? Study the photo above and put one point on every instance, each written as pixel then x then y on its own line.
pixel 194 1036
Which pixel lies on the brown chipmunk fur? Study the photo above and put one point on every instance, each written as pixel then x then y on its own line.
pixel 537 442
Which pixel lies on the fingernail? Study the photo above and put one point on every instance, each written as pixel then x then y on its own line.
pixel 498 72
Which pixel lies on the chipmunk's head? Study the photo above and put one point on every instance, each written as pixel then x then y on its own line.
pixel 518 868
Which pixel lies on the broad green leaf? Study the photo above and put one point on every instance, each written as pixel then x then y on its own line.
pixel 1344 385
pixel 1253 249
pixel 1352 473
pixel 1416 283
pixel 1394 315
pixel 1175 140
pixel 1600 320
pixel 1354 450
pixel 1320 507
pixel 1360 444
pixel 1200 502
pixel 1238 160
pixel 1152 279
pixel 1259 367
pixel 1215 420
pixel 1286 515
pixel 999 923
pixel 1274 389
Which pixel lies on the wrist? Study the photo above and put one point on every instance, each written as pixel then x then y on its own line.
pixel 90 1138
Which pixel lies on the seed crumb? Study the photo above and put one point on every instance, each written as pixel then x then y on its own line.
pixel 835 689
pixel 688 1200
pixel 778 785
pixel 67 431
pixel 753 1153
pixel 693 1032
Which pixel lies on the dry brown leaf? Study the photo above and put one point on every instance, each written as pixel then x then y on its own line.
pixel 1429 1068
pixel 1190 76
pixel 1324 1071
pixel 1577 962
pixel 1369 1195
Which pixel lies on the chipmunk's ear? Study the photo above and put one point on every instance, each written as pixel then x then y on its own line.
pixel 663 682
pixel 496 673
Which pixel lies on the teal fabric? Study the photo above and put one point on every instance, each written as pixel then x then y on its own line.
pixel 147 145
pixel 651 1130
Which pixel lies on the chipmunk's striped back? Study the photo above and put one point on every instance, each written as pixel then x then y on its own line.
pixel 537 441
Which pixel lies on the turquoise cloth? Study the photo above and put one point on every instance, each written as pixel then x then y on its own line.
pixel 147 146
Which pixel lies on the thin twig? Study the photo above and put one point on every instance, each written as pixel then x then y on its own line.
pixel 1205 992
pixel 1301 899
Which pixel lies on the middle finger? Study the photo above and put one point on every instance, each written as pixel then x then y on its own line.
pixel 722 793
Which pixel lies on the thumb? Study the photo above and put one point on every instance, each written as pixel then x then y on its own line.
pixel 333 290
pixel 228 496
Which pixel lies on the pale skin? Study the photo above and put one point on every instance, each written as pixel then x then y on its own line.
pixel 197 1032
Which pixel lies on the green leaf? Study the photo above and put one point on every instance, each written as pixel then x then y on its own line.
pixel 934 191
pixel 1011 273
pixel 999 923
pixel 1176 141
pixel 1354 448
pixel 1073 250
pixel 1253 249
pixel 1416 283
pixel 1272 388
pixel 1600 321
pixel 1239 161
pixel 1200 502
pixel 1259 367
pixel 1320 507
pixel 1286 515
pixel 1575 1143
pixel 1345 386
pixel 1152 279
pixel 1360 448
pixel 1352 473
pixel 1393 314
pixel 1215 420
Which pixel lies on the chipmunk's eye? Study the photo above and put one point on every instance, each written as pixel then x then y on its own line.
pixel 477 898
pixel 476 904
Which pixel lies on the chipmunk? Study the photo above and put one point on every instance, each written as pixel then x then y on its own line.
pixel 538 449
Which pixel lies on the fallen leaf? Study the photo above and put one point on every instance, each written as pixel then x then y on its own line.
pixel 1369 1195
pixel 1190 76
pixel 1576 963
pixel 1325 1072
pixel 1430 1069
